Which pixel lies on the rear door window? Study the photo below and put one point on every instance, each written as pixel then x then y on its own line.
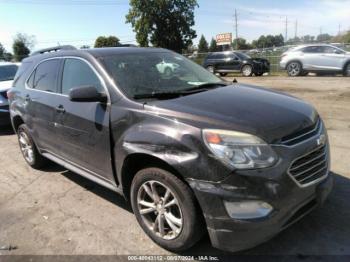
pixel 313 49
pixel 45 76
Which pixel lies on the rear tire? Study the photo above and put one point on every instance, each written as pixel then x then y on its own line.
pixel 176 227
pixel 223 74
pixel 247 70
pixel 28 148
pixel 294 69
pixel 347 70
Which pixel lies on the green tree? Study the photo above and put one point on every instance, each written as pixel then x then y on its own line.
pixel 110 41
pixel 203 45
pixel 2 52
pixel 163 23
pixel 241 43
pixel 268 41
pixel 213 46
pixel 7 56
pixel 324 38
pixel 21 46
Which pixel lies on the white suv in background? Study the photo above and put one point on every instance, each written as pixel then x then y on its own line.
pixel 7 74
pixel 318 58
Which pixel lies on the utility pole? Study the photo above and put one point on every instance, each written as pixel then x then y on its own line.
pixel 286 35
pixel 339 29
pixel 236 28
pixel 296 29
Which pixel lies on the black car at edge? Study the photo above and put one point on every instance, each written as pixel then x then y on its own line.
pixel 235 62
pixel 191 153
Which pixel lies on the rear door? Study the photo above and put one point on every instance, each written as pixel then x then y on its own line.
pixel 332 58
pixel 40 96
pixel 83 127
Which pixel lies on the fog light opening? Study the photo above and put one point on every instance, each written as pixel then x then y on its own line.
pixel 248 209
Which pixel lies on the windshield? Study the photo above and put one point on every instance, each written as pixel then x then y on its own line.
pixel 156 72
pixel 242 56
pixel 8 72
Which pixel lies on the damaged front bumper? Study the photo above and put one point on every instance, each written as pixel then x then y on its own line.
pixel 271 201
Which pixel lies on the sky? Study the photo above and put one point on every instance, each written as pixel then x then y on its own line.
pixel 79 22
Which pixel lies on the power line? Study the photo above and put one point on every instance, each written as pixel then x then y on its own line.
pixel 286 35
pixel 236 26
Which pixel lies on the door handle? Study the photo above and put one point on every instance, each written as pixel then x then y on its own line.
pixel 27 98
pixel 60 109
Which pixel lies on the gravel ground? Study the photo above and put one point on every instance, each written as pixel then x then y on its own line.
pixel 56 212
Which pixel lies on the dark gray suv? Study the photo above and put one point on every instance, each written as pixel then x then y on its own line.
pixel 191 153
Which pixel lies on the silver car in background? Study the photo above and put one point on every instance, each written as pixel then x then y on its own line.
pixel 7 74
pixel 317 58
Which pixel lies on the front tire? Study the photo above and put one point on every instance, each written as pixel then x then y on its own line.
pixel 223 74
pixel 247 70
pixel 294 69
pixel 210 69
pixel 166 209
pixel 28 148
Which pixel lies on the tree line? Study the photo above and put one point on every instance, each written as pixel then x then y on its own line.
pixel 269 41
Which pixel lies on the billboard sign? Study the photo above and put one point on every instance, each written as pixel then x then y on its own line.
pixel 224 39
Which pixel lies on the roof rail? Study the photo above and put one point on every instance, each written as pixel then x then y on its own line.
pixel 53 49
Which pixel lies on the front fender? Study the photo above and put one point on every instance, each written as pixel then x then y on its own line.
pixel 178 144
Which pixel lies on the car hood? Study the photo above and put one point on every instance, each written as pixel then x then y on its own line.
pixel 5 85
pixel 268 114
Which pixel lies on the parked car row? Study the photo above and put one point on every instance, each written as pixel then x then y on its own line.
pixel 193 154
pixel 297 61
pixel 7 74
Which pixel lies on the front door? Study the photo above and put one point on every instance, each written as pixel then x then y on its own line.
pixel 84 126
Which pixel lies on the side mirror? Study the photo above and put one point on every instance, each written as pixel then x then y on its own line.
pixel 86 94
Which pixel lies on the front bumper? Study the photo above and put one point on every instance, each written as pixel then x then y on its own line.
pixel 274 186
pixel 283 65
pixel 263 67
pixel 5 116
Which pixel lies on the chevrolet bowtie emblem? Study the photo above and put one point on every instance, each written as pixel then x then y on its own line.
pixel 321 141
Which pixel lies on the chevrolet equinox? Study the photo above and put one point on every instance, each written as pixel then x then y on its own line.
pixel 193 154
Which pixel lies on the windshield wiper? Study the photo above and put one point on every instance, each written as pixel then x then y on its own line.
pixel 207 86
pixel 160 95
pixel 174 94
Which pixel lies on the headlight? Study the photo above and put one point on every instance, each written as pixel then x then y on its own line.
pixel 239 150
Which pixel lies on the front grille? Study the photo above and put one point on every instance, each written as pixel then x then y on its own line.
pixel 302 135
pixel 310 168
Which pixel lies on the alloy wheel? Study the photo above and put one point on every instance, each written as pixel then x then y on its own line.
pixel 160 210
pixel 294 69
pixel 247 70
pixel 26 147
pixel 210 69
